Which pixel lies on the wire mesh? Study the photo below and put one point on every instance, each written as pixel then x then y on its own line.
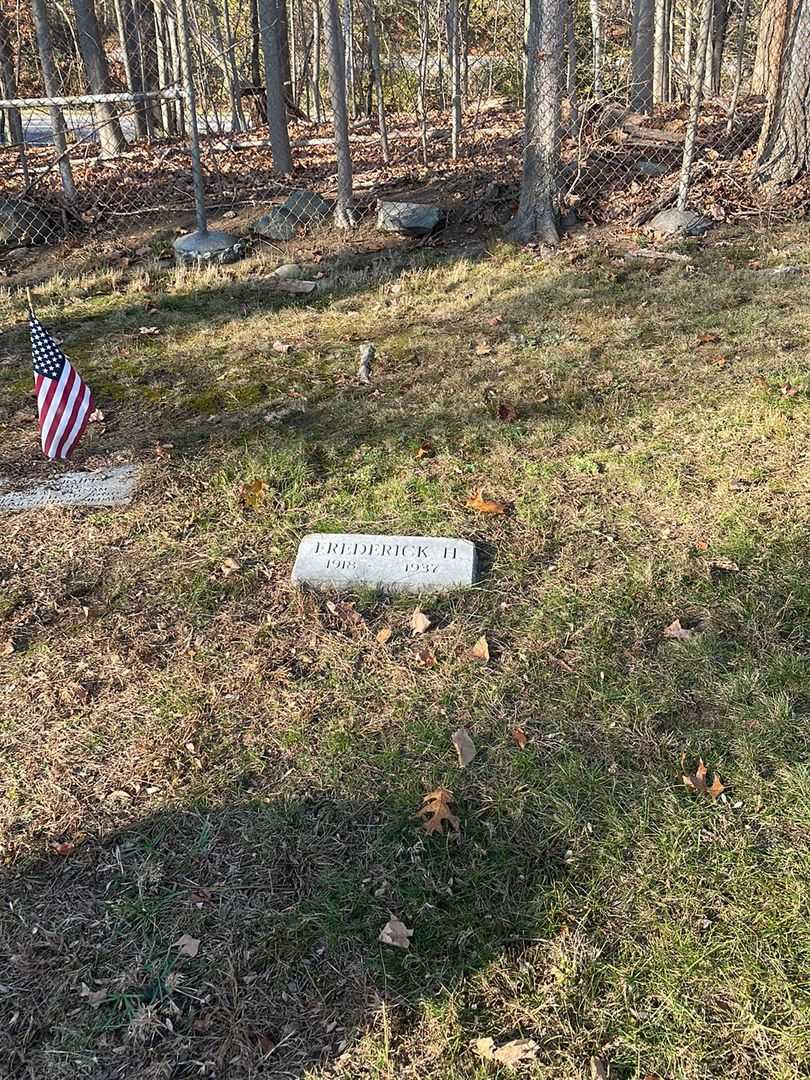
pixel 359 99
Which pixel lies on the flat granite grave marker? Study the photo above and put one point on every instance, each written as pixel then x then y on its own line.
pixel 102 487
pixel 390 563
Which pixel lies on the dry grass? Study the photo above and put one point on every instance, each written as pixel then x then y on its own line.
pixel 185 752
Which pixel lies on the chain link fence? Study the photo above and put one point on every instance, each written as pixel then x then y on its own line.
pixel 627 106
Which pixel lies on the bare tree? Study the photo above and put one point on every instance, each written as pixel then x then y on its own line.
pixel 454 64
pixel 421 92
pixel 8 87
pixel 317 49
pixel 276 107
pixel 225 48
pixel 596 38
pixel 336 63
pixel 687 40
pixel 51 87
pixel 661 52
pixel 536 217
pixel 738 67
pixel 695 101
pixel 719 26
pixel 770 44
pixel 110 135
pixel 376 75
pixel 784 145
pixel 642 46
pixel 348 52
pixel 132 69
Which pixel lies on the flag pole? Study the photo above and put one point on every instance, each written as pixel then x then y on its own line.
pixel 30 301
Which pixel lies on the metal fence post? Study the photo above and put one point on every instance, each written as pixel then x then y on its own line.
pixel 202 246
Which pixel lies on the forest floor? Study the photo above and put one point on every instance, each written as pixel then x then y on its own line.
pixel 209 780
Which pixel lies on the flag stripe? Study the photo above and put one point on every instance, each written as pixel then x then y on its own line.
pixel 57 414
pixel 75 426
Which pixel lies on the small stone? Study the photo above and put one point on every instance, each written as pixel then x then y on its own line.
pixel 276 224
pixel 393 564
pixel 306 207
pixel 412 219
pixel 679 223
pixel 290 272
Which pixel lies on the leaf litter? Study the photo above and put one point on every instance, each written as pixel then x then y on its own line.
pixel 697 781
pixel 509 1053
pixel 396 934
pixel 435 811
pixel 465 747
pixel 485 506
pixel 419 622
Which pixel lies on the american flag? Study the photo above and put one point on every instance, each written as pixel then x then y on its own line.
pixel 64 400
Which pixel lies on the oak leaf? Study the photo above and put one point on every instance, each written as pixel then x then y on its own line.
pixel 485 506
pixel 419 622
pixel 511 1053
pixel 465 747
pixel 697 781
pixel 252 495
pixel 187 945
pixel 435 810
pixel 396 933
pixel 676 632
pixel 507 412
pixel 520 737
pixel 384 634
pixel 480 650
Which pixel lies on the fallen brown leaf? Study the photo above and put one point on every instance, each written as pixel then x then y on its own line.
pixel 507 412
pixel 520 737
pixel 425 657
pixel 424 450
pixel 282 347
pixel 465 747
pixel 252 495
pixel 788 391
pixel 419 622
pixel 230 566
pixel 480 650
pixel 762 382
pixel 64 848
pixel 598 1069
pixel 696 781
pixel 676 632
pixel 95 417
pixel 396 933
pixel 483 348
pixel 708 337
pixel 436 810
pixel 346 612
pixel 510 1054
pixel 7 648
pixel 384 635
pixel 187 945
pixel 485 506
pixel 93 997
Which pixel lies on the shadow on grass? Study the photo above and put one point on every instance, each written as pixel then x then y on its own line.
pixel 286 901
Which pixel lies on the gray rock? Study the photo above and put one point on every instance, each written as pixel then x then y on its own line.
pixel 652 168
pixel 26 221
pixel 306 207
pixel 291 272
pixel 205 249
pixel 393 564
pixel 412 219
pixel 679 223
pixel 276 224
pixel 103 487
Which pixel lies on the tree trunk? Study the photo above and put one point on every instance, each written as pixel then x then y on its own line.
pixel 224 44
pixel 536 218
pixel 336 63
pixel 273 74
pixel 719 25
pixel 347 33
pixel 784 145
pixel 642 45
pixel 317 49
pixel 770 42
pixel 376 72
pixel 695 100
pixel 8 87
pixel 132 71
pixel 148 47
pixel 661 55
pixel 421 92
pixel 284 47
pixel 110 135
pixel 454 64
pixel 596 37
pixel 255 66
pixel 571 66
pixel 687 42
pixel 738 72
pixel 51 87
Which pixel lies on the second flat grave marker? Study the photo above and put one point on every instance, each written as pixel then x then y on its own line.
pixel 390 563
